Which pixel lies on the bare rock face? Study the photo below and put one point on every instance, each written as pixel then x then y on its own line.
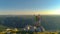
pixel 34 28
pixel 40 29
pixel 38 24
pixel 37 27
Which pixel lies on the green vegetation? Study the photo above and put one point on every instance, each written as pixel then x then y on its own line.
pixel 2 28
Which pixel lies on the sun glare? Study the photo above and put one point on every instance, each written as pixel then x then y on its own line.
pixel 57 12
pixel 53 12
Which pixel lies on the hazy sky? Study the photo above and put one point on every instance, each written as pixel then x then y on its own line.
pixel 29 7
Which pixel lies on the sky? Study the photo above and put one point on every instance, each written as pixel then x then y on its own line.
pixel 28 7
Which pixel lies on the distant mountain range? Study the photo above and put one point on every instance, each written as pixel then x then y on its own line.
pixel 49 22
